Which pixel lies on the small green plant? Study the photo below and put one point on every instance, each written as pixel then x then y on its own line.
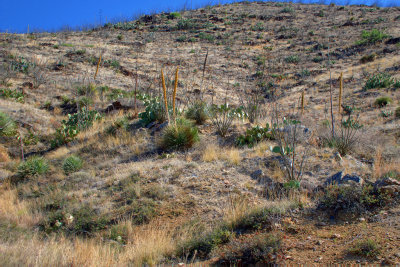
pixel 386 113
pixel 380 80
pixel 174 15
pixel 32 167
pixel 383 101
pixel 198 112
pixel 183 135
pixel 260 248
pixel 292 59
pixel 72 164
pixel 371 37
pixel 366 248
pixel 120 37
pixel 287 10
pixel 7 125
pixel 255 135
pixel 154 111
pixel 318 59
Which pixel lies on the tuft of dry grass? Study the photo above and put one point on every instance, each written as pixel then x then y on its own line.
pixel 232 155
pixel 4 154
pixel 14 210
pixel 211 153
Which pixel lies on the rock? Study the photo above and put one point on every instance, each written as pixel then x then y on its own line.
pixel 352 179
pixel 339 179
pixel 334 179
pixel 361 219
pixel 388 186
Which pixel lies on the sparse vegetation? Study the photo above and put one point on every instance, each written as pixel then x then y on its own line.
pixel 383 101
pixel 366 248
pixel 380 80
pixel 371 37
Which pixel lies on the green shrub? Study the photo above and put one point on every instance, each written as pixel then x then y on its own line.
pixel 87 221
pixel 14 94
pixel 34 166
pixel 186 24
pixel 174 15
pixel 198 112
pixel 72 164
pixel 292 59
pixel 222 117
pixel 254 135
pixel 7 125
pixel 258 248
pixel 366 247
pixel 76 122
pixel 371 37
pixel 383 101
pixel 351 200
pixel 318 59
pixel 119 233
pixel 206 36
pixel 287 10
pixel 396 84
pixel 202 245
pixel 180 136
pixel 154 111
pixel 121 123
pixel 380 80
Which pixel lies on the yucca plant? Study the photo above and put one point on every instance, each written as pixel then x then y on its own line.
pixel 72 164
pixel 32 167
pixel 182 135
pixel 197 112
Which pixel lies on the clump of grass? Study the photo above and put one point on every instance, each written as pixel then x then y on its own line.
pixel 32 167
pixel 258 248
pixel 198 112
pixel 383 101
pixel 371 37
pixel 72 164
pixel 380 80
pixel 366 247
pixel 183 135
pixel 292 59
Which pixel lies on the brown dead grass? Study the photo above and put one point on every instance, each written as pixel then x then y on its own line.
pixel 14 210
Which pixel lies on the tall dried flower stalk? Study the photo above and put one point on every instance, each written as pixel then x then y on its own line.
pixel 174 94
pixel 97 69
pixel 302 102
pixel 165 94
pixel 340 91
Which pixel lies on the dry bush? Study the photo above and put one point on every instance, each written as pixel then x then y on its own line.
pixel 381 167
pixel 232 155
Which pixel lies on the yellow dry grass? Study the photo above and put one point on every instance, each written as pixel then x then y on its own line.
pixel 14 210
pixel 213 153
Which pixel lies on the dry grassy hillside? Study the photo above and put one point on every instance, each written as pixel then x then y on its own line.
pixel 282 144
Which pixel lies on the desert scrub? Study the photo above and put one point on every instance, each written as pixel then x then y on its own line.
pixel 181 135
pixel 366 248
pixel 202 244
pixel 383 101
pixel 371 37
pixel 258 248
pixel 380 80
pixel 198 112
pixel 254 135
pixel 7 125
pixel 13 94
pixel 292 59
pixel 72 164
pixel 32 167
pixel 354 199
pixel 222 117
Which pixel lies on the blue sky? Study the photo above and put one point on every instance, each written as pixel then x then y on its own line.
pixel 16 15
